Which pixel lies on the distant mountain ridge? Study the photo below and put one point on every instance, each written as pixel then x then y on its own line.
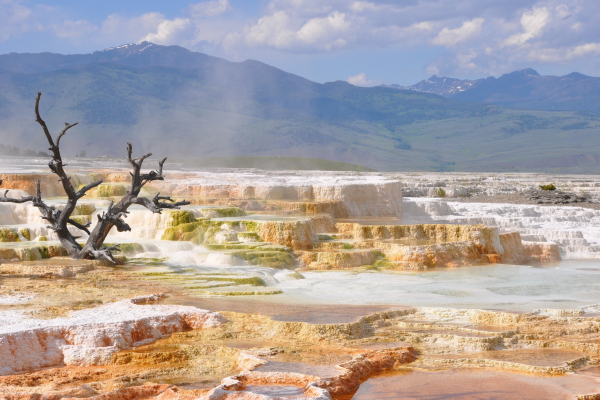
pixel 442 86
pixel 143 54
pixel 191 104
pixel 524 89
pixel 182 104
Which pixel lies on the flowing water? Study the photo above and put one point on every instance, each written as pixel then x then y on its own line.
pixel 276 390
pixel 566 285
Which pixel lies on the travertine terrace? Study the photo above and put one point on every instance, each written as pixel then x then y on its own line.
pixel 303 285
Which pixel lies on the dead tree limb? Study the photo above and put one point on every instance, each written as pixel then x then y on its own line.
pixel 113 217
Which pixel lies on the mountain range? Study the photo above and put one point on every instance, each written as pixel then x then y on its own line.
pixel 184 104
pixel 524 89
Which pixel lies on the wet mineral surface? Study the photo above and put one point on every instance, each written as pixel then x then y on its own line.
pixel 318 286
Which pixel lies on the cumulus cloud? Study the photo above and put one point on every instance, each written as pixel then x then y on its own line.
pixel 152 27
pixel 362 80
pixel 176 31
pixel 452 37
pixel 563 55
pixel 211 8
pixel 285 32
pixel 532 21
pixel 119 30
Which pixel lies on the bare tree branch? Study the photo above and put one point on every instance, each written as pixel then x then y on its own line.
pixel 105 253
pixel 6 199
pixel 82 192
pixel 156 205
pixel 42 123
pixel 80 226
pixel 64 132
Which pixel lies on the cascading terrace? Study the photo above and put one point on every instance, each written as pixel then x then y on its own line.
pixel 298 274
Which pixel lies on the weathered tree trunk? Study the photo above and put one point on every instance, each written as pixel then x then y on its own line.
pixel 113 217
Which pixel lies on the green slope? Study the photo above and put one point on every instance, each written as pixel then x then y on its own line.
pixel 567 142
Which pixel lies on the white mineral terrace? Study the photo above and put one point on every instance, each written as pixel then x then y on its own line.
pixel 91 336
pixel 458 287
pixel 457 184
pixel 576 230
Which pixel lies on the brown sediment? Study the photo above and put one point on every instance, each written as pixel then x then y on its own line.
pixel 341 386
pixel 467 384
pixel 311 313
pixel 363 367
pixel 337 259
pixel 27 182
pixel 293 234
pixel 56 267
pixel 195 361
pixel 459 245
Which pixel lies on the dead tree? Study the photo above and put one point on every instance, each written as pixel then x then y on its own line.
pixel 60 219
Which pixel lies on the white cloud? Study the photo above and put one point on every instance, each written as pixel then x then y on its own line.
pixel 421 26
pixel 152 27
pixel 563 55
pixel 211 8
pixel 452 37
pixel 563 11
pixel 176 31
pixel 303 8
pixel 282 31
pixel 15 17
pixel 432 70
pixel 317 29
pixel 362 6
pixel 532 21
pixel 584 50
pixel 118 30
pixel 465 60
pixel 273 30
pixel 362 80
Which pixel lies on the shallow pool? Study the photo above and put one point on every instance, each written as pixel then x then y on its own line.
pixel 565 285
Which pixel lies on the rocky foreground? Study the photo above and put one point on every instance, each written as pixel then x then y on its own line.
pixel 538 197
pixel 180 317
pixel 140 349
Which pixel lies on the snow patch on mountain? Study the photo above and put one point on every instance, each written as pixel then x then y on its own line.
pixel 442 86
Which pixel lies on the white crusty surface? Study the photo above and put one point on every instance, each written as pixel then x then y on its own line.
pixel 91 336
pixel 363 194
pixel 119 312
pixel 576 230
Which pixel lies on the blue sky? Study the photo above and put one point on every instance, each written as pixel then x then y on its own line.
pixel 366 42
